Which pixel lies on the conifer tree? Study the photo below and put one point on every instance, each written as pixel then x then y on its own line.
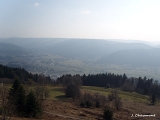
pixel 14 89
pixel 20 101
pixel 32 108
pixel 16 98
pixel 153 99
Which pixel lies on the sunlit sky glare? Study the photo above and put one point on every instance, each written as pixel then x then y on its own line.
pixel 99 19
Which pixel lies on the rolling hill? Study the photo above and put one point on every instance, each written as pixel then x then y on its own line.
pixel 134 57
pixel 58 56
pixel 75 48
pixel 11 49
pixel 91 48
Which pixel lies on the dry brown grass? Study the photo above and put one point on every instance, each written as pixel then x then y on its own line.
pixel 70 109
pixel 66 109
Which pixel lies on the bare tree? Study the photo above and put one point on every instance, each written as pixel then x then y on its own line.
pixel 113 95
pixel 73 91
pixel 38 91
pixel 7 110
pixel 100 100
pixel 41 92
pixel 118 103
pixel 46 92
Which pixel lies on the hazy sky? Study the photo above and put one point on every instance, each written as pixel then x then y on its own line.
pixel 106 19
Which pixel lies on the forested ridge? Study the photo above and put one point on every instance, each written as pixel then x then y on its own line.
pixel 145 86
pixel 21 74
pixel 140 85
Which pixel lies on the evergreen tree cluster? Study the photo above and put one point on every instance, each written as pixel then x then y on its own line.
pixel 141 85
pixel 23 105
pixel 103 80
pixel 22 74
pixel 68 78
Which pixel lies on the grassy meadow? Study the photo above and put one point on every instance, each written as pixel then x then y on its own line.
pixel 130 96
pixel 62 108
pixel 57 92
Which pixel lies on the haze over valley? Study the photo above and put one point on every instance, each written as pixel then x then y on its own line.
pixel 56 56
pixel 79 59
pixel 81 37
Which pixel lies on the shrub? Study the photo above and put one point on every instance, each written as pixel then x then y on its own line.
pixel 1 110
pixel 107 114
pixel 95 99
pixel 113 95
pixel 118 103
pixel 82 104
pixel 108 85
pixel 110 97
pixel 97 104
pixel 153 99
pixel 73 91
pixel 88 104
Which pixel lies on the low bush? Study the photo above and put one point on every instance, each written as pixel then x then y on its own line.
pixel 89 104
pixel 82 104
pixel 108 114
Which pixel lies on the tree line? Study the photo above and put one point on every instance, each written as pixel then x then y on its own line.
pixel 21 74
pixel 140 85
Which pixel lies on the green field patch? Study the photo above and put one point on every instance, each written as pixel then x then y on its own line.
pixel 56 93
pixel 131 96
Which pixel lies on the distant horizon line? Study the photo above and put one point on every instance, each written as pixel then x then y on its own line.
pixel 74 38
pixel 110 39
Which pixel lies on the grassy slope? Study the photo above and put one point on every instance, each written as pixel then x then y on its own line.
pixel 57 92
pixel 131 96
pixel 134 103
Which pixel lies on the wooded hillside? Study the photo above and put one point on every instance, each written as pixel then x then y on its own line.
pixel 21 74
